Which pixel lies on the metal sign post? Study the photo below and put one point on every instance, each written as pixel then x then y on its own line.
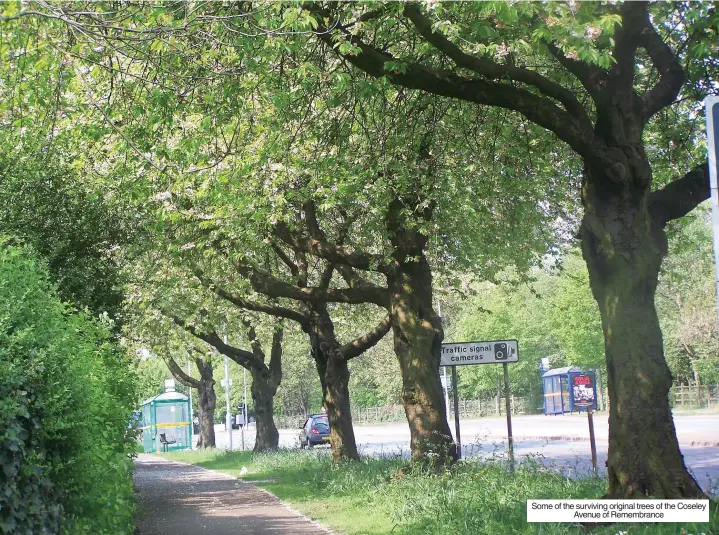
pixel 583 395
pixel 455 393
pixel 510 438
pixel 469 353
pixel 445 387
pixel 712 118
pixel 592 442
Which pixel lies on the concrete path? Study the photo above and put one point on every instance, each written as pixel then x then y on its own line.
pixel 179 499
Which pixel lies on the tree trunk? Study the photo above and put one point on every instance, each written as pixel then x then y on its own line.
pixel 263 394
pixel 206 417
pixel 334 377
pixel 624 247
pixel 337 404
pixel 417 343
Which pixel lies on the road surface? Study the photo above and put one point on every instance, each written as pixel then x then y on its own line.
pixel 558 442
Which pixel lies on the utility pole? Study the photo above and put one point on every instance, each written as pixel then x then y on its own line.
pixel 228 415
pixel 244 400
pixel 192 425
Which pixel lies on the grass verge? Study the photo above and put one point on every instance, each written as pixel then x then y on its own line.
pixel 365 498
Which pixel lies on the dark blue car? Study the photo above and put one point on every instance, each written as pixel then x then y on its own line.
pixel 316 430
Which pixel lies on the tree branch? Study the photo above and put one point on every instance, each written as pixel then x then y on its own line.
pixel 179 374
pixel 589 75
pixel 336 254
pixel 635 17
pixel 680 196
pixel 264 283
pixel 285 259
pixel 240 356
pixel 326 277
pixel 490 69
pixel 671 74
pixel 540 110
pixel 276 353
pixel 255 343
pixel 247 304
pixel 359 345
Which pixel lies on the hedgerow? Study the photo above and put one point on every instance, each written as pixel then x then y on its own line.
pixel 65 399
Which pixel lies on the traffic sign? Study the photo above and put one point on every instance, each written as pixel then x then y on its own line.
pixel 223 383
pixel 712 118
pixel 492 352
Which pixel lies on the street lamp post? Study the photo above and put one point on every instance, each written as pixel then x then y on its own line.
pixel 228 415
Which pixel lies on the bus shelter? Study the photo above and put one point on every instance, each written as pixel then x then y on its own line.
pixel 166 423
pixel 557 388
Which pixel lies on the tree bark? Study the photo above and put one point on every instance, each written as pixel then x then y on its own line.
pixel 334 377
pixel 206 403
pixel 263 395
pixel 339 415
pixel 624 246
pixel 418 336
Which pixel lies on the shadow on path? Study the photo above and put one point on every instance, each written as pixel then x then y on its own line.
pixel 179 499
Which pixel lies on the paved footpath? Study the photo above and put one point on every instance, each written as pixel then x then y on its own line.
pixel 180 499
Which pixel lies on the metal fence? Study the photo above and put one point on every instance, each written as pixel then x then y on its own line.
pixel 680 396
pixel 468 408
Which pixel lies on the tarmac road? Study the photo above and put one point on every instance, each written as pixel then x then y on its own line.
pixel 558 442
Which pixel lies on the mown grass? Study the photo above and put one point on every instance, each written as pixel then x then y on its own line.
pixel 368 498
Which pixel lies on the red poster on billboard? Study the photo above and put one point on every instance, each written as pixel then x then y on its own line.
pixel 582 391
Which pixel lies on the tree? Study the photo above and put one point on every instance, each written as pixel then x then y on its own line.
pixel 266 376
pixel 686 299
pixel 622 231
pixel 206 399
pixel 386 154
pixel 70 225
pixel 311 312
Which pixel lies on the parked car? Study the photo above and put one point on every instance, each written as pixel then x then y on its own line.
pixel 315 430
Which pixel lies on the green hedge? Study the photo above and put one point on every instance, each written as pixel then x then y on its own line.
pixel 65 400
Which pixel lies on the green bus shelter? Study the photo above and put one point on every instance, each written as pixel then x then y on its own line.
pixel 166 414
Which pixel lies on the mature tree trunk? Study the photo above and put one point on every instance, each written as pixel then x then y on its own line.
pixel 334 377
pixel 263 396
pixel 205 396
pixel 206 408
pixel 417 343
pixel 624 246
pixel 418 337
pixel 339 415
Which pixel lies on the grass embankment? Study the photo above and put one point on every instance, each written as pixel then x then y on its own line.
pixel 366 498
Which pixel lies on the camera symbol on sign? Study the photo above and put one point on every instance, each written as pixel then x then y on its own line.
pixel 501 351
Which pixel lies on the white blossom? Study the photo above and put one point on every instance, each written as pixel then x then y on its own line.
pixel 593 32
pixel 502 50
